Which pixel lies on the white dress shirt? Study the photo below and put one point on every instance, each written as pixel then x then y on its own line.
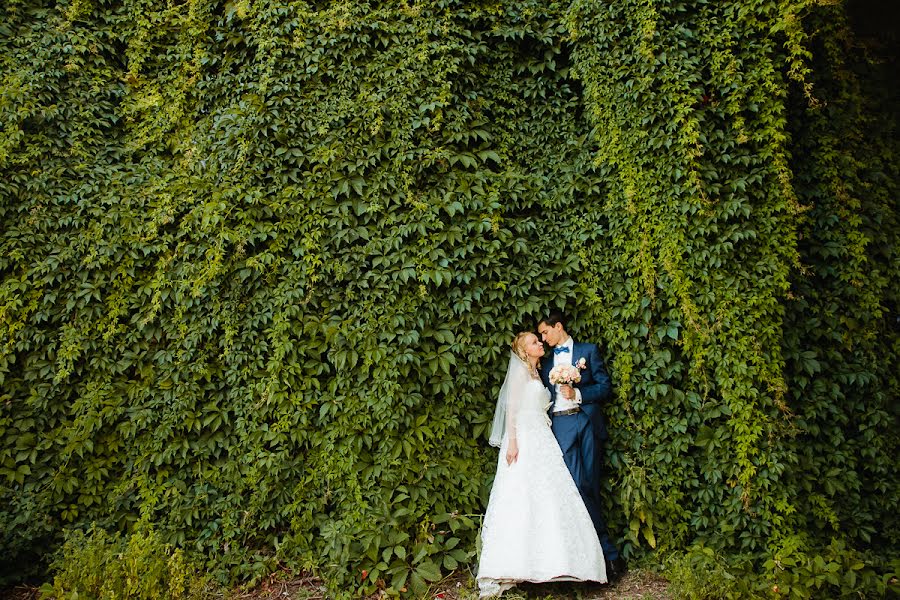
pixel 565 358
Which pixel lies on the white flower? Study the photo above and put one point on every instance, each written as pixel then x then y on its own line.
pixel 564 375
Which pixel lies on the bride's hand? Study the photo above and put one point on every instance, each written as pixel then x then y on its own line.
pixel 512 452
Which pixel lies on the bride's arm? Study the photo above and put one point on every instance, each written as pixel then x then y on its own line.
pixel 512 452
pixel 512 410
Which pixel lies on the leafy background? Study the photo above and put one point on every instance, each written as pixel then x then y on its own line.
pixel 261 262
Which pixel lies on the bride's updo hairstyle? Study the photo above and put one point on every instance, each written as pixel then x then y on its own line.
pixel 518 345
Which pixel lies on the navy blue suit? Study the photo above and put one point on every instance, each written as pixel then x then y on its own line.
pixel 581 435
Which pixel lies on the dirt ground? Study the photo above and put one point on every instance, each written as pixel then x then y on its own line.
pixel 635 585
pixel 19 593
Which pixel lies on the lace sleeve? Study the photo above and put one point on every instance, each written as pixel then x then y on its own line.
pixel 505 414
pixel 512 407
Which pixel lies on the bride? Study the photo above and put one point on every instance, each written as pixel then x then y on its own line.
pixel 536 527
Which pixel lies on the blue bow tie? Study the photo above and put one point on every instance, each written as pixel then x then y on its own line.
pixel 560 350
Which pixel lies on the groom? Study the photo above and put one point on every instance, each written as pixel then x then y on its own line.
pixel 578 422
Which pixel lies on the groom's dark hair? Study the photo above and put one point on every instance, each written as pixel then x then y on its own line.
pixel 553 318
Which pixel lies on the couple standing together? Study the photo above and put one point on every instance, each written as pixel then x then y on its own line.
pixel 543 521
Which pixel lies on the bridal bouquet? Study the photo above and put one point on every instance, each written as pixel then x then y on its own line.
pixel 565 375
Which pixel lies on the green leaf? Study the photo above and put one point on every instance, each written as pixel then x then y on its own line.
pixel 428 570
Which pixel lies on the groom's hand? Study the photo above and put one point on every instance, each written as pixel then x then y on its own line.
pixel 567 391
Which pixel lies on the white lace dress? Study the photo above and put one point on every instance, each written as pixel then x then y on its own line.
pixel 536 527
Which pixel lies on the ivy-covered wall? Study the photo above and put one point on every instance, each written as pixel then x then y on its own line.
pixel 261 262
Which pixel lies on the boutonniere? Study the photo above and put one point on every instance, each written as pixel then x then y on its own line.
pixel 582 363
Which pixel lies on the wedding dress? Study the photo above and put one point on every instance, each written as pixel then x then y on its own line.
pixel 536 528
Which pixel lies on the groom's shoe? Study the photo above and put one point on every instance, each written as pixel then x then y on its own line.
pixel 615 569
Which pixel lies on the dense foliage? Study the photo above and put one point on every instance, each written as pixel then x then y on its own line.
pixel 261 262
pixel 138 566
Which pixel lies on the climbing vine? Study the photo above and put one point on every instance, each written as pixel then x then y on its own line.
pixel 261 261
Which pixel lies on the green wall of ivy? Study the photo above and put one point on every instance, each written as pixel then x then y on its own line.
pixel 261 260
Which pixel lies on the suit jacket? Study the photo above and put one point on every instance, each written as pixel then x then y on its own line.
pixel 594 385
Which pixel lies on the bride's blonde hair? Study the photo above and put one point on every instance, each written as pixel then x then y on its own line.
pixel 518 345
